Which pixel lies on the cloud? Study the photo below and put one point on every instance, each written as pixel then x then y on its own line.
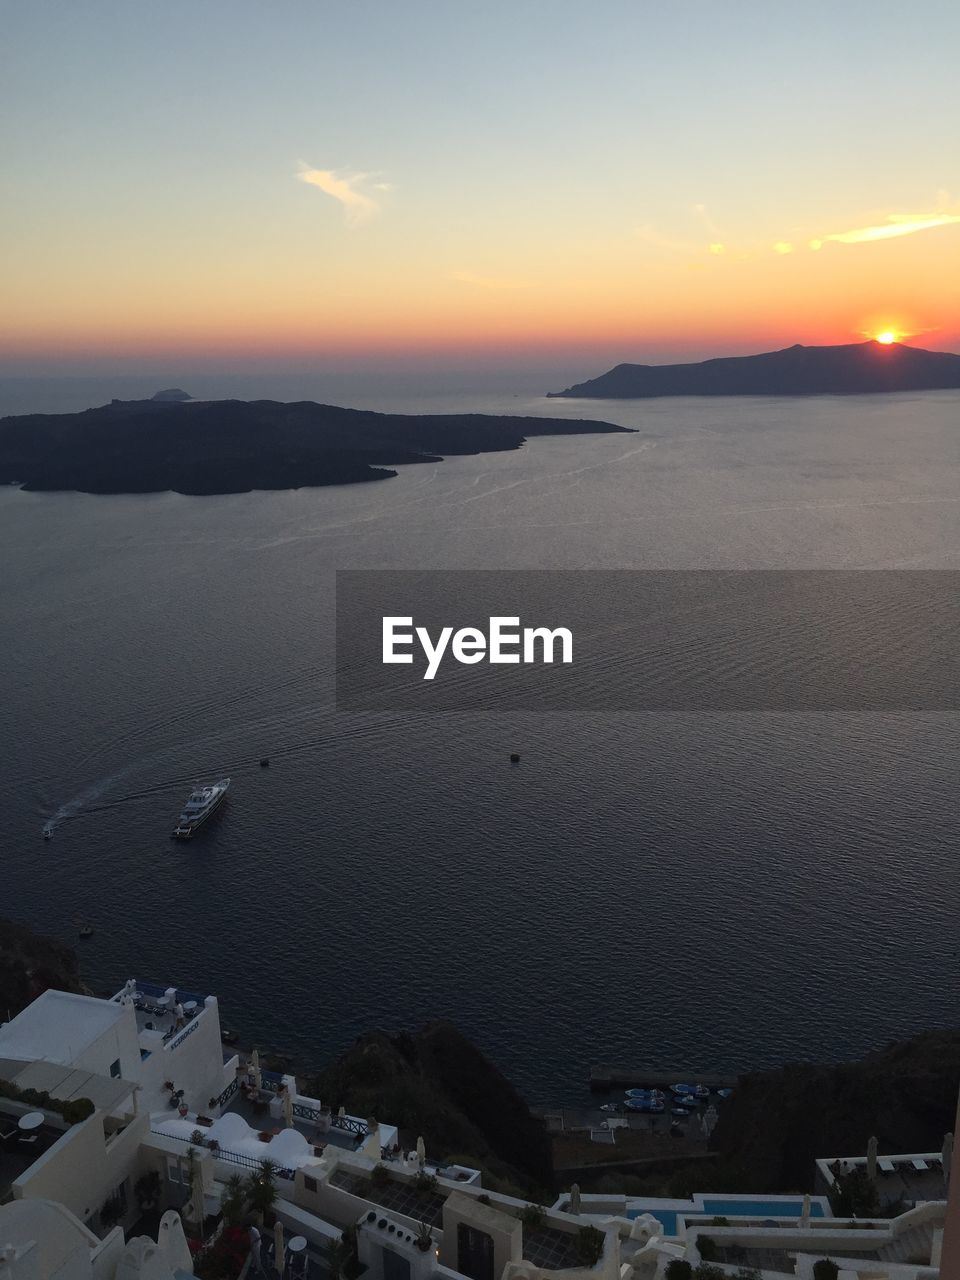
pixel 347 188
pixel 486 282
pixel 897 224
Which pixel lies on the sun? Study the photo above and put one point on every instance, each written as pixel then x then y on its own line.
pixel 886 337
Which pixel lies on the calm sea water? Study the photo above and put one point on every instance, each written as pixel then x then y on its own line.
pixel 715 892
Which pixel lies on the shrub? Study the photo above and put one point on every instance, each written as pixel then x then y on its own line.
pixel 379 1176
pixel 74 1111
pixel 707 1248
pixel 533 1216
pixel 483 1199
pixel 197 1138
pixel 588 1243
pixel 678 1269
pixel 147 1189
pixel 825 1269
pixel 424 1183
pixel 707 1271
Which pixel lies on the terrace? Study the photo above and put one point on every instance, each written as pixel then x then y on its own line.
pixel 163 1010
pixel 17 1155
pixel 394 1196
pixel 911 1178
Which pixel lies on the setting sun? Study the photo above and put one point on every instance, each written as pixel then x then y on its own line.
pixel 886 337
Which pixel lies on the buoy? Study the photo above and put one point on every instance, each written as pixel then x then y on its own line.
pixel 264 762
pixel 514 757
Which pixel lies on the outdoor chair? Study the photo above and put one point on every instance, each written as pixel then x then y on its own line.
pixel 28 1140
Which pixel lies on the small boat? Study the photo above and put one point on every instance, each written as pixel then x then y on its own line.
pixel 680 1111
pixel 724 1093
pixel 201 803
pixel 48 833
pixel 264 762
pixel 514 757
pixel 645 1093
pixel 85 931
pixel 649 1106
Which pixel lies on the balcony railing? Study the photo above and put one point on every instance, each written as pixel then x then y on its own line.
pixel 349 1124
pixel 233 1157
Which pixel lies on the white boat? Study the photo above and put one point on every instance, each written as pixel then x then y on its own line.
pixel 201 803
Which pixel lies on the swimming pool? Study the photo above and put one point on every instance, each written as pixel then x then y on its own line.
pixel 760 1208
pixel 720 1208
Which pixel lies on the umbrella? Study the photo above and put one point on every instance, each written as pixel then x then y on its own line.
pixel 278 1259
pixel 197 1206
pixel 946 1156
pixel 575 1198
pixel 805 1212
pixel 288 1108
pixel 255 1069
pixel 872 1159
pixel 341 1114
pixel 421 1153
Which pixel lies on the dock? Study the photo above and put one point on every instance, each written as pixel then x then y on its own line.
pixel 640 1077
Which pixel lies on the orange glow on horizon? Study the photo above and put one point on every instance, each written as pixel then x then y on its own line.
pixel 886 338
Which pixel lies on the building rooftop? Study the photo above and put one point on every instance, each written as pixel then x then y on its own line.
pixel 58 1026
pixel 65 1083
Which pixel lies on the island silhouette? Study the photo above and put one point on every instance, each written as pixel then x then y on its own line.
pixel 858 368
pixel 233 446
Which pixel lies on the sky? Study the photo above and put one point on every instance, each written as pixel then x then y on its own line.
pixel 231 183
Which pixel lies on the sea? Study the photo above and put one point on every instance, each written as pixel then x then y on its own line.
pixel 711 892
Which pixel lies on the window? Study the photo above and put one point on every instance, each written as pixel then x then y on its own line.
pixel 309 1184
pixel 115 1069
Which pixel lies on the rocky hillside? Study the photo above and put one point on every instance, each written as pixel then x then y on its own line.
pixel 29 964
pixel 778 1122
pixel 436 1083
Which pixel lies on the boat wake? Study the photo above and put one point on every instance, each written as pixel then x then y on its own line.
pixel 81 802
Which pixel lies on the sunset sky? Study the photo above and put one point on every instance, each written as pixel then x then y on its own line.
pixel 226 180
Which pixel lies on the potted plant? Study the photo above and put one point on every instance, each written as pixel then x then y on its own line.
pixel 261 1190
pixel 424 1239
pixel 182 1108
pixel 234 1202
pixel 197 1138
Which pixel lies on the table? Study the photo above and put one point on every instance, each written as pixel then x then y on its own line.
pixel 297 1244
pixel 32 1120
pixel 190 1007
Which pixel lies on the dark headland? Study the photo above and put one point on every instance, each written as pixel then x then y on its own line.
pixel 859 368
pixel 234 446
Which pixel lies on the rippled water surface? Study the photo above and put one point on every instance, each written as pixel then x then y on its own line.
pixel 702 892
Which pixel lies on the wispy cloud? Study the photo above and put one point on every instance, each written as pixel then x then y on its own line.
pixel 896 224
pixel 351 190
pixel 486 282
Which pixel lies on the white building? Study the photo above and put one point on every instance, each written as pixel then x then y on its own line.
pixel 166 1110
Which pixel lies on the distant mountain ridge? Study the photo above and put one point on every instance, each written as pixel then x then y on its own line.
pixel 858 368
